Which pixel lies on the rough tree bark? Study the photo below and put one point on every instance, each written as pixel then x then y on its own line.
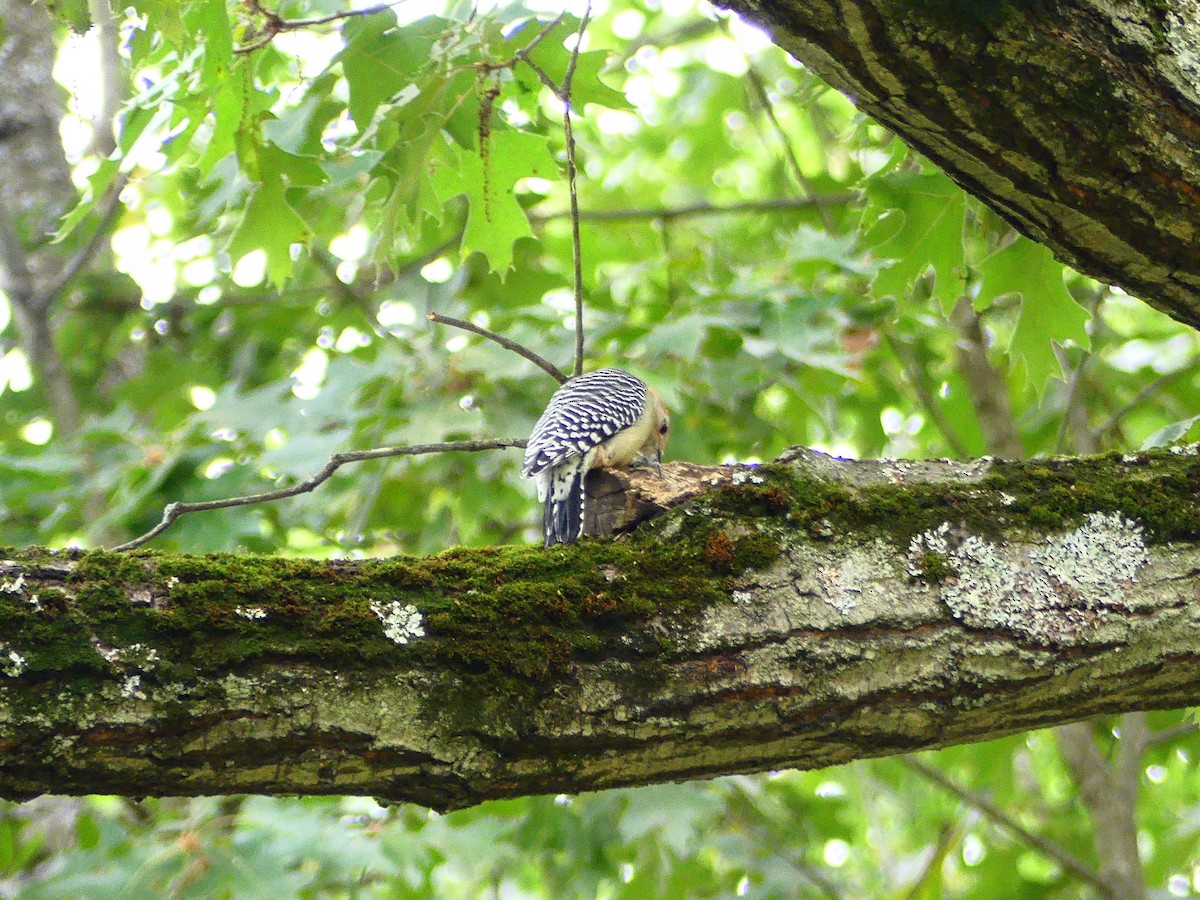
pixel 1077 121
pixel 799 614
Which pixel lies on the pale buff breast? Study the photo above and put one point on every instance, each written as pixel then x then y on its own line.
pixel 620 449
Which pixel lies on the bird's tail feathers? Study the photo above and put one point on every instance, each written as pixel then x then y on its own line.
pixel 562 519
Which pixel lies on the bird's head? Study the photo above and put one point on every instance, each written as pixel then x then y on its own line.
pixel 660 422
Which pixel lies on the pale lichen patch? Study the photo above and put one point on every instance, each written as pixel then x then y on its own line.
pixel 401 621
pixel 107 653
pixel 1055 591
pixel 743 477
pixel 13 585
pixel 1097 558
pixel 251 612
pixel 131 688
pixel 12 663
pixel 858 576
pixel 936 540
pixel 138 657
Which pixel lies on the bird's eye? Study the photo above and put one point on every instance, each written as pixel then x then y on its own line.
pixel 664 427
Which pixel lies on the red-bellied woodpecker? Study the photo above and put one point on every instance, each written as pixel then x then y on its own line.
pixel 605 419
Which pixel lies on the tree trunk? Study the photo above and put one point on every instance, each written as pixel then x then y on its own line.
pixel 804 613
pixel 34 191
pixel 1077 121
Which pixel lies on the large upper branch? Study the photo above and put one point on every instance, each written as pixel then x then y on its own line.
pixel 1077 121
pixel 800 614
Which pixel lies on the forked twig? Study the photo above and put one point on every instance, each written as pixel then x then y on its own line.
pixel 274 24
pixel 1060 854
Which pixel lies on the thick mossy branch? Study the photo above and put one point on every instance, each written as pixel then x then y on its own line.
pixel 1077 121
pixel 510 610
pixel 803 613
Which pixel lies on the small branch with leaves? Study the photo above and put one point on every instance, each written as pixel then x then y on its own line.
pixel 563 93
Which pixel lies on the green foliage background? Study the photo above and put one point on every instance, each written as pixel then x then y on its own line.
pixel 778 266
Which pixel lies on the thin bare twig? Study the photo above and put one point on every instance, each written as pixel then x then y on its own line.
pixel 174 510
pixel 946 838
pixel 523 53
pixel 1066 859
pixel 788 152
pixel 692 210
pixel 107 209
pixel 1074 394
pixel 1141 397
pixel 275 24
pixel 576 244
pixel 542 75
pixel 1167 735
pixel 919 380
pixel 552 370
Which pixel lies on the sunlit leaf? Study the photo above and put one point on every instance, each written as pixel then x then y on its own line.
pixel 271 225
pixel 1169 434
pixel 1049 314
pixel 73 13
pixel 496 220
pixel 930 234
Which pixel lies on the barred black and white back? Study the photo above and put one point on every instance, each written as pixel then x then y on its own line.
pixel 582 415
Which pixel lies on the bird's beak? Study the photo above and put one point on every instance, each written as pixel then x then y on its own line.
pixel 658 461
